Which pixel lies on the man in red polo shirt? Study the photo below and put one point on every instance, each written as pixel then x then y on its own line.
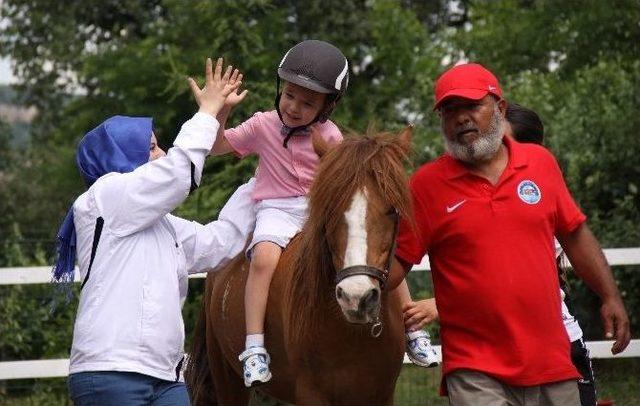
pixel 487 212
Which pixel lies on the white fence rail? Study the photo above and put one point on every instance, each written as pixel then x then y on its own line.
pixel 42 274
pixel 59 368
pixel 56 368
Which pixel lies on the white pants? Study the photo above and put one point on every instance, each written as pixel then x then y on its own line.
pixel 279 220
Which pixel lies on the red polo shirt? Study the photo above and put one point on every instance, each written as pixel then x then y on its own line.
pixel 492 260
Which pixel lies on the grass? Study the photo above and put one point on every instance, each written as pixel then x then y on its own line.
pixel 619 380
pixel 419 387
pixel 616 379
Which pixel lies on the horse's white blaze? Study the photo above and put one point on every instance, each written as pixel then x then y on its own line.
pixel 355 287
pixel 356 251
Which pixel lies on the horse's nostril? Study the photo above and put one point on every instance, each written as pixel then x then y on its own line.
pixel 375 295
pixel 370 298
pixel 339 292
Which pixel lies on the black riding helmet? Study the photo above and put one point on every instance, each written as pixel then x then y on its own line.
pixel 318 66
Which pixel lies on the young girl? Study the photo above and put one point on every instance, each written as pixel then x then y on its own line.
pixel 315 76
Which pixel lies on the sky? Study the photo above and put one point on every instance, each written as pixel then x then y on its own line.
pixel 5 72
pixel 5 68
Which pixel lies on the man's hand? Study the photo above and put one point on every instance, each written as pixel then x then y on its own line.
pixel 419 314
pixel 616 324
pixel 590 264
pixel 217 87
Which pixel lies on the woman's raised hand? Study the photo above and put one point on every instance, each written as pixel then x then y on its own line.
pixel 217 88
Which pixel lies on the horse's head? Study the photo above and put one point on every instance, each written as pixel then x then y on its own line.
pixel 362 247
pixel 359 193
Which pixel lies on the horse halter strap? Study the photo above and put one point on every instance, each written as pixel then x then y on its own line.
pixel 380 274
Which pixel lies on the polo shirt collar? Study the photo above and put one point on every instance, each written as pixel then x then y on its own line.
pixel 518 158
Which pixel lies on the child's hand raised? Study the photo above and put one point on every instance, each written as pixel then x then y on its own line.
pixel 234 97
pixel 217 87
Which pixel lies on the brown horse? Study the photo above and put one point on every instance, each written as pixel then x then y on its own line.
pixel 334 334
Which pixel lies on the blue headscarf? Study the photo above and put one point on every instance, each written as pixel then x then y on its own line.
pixel 120 144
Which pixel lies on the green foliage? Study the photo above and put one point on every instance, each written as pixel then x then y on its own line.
pixel 5 143
pixel 29 327
pixel 513 36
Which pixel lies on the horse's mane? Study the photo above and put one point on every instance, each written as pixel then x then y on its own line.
pixel 342 170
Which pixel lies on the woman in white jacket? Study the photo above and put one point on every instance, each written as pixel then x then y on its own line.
pixel 134 257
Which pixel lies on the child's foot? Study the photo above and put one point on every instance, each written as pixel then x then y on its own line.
pixel 255 365
pixel 419 349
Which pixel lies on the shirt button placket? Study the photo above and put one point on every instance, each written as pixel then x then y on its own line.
pixel 488 192
pixel 296 164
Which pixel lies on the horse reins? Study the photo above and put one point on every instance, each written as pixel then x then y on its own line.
pixel 382 275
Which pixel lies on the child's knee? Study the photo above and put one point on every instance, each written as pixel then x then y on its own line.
pixel 264 258
pixel 261 267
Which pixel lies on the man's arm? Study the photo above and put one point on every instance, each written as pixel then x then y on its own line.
pixel 590 264
pixel 397 272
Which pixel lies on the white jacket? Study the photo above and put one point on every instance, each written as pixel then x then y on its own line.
pixel 129 317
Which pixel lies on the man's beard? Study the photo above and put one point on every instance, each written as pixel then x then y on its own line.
pixel 481 149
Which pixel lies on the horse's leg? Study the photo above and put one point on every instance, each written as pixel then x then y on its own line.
pixel 229 386
pixel 308 394
pixel 198 374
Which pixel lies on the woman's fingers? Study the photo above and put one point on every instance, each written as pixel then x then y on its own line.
pixel 218 70
pixel 208 72
pixel 195 89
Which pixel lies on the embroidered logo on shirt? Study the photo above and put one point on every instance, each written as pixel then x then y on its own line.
pixel 455 206
pixel 529 192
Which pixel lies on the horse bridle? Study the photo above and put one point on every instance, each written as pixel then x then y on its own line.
pixel 380 274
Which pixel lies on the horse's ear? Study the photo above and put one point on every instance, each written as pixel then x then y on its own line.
pixel 404 138
pixel 319 144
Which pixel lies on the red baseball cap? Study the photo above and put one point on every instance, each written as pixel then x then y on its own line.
pixel 469 80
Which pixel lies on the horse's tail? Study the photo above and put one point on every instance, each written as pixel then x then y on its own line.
pixel 197 374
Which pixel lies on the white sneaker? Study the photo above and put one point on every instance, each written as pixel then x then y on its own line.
pixel 419 349
pixel 255 365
